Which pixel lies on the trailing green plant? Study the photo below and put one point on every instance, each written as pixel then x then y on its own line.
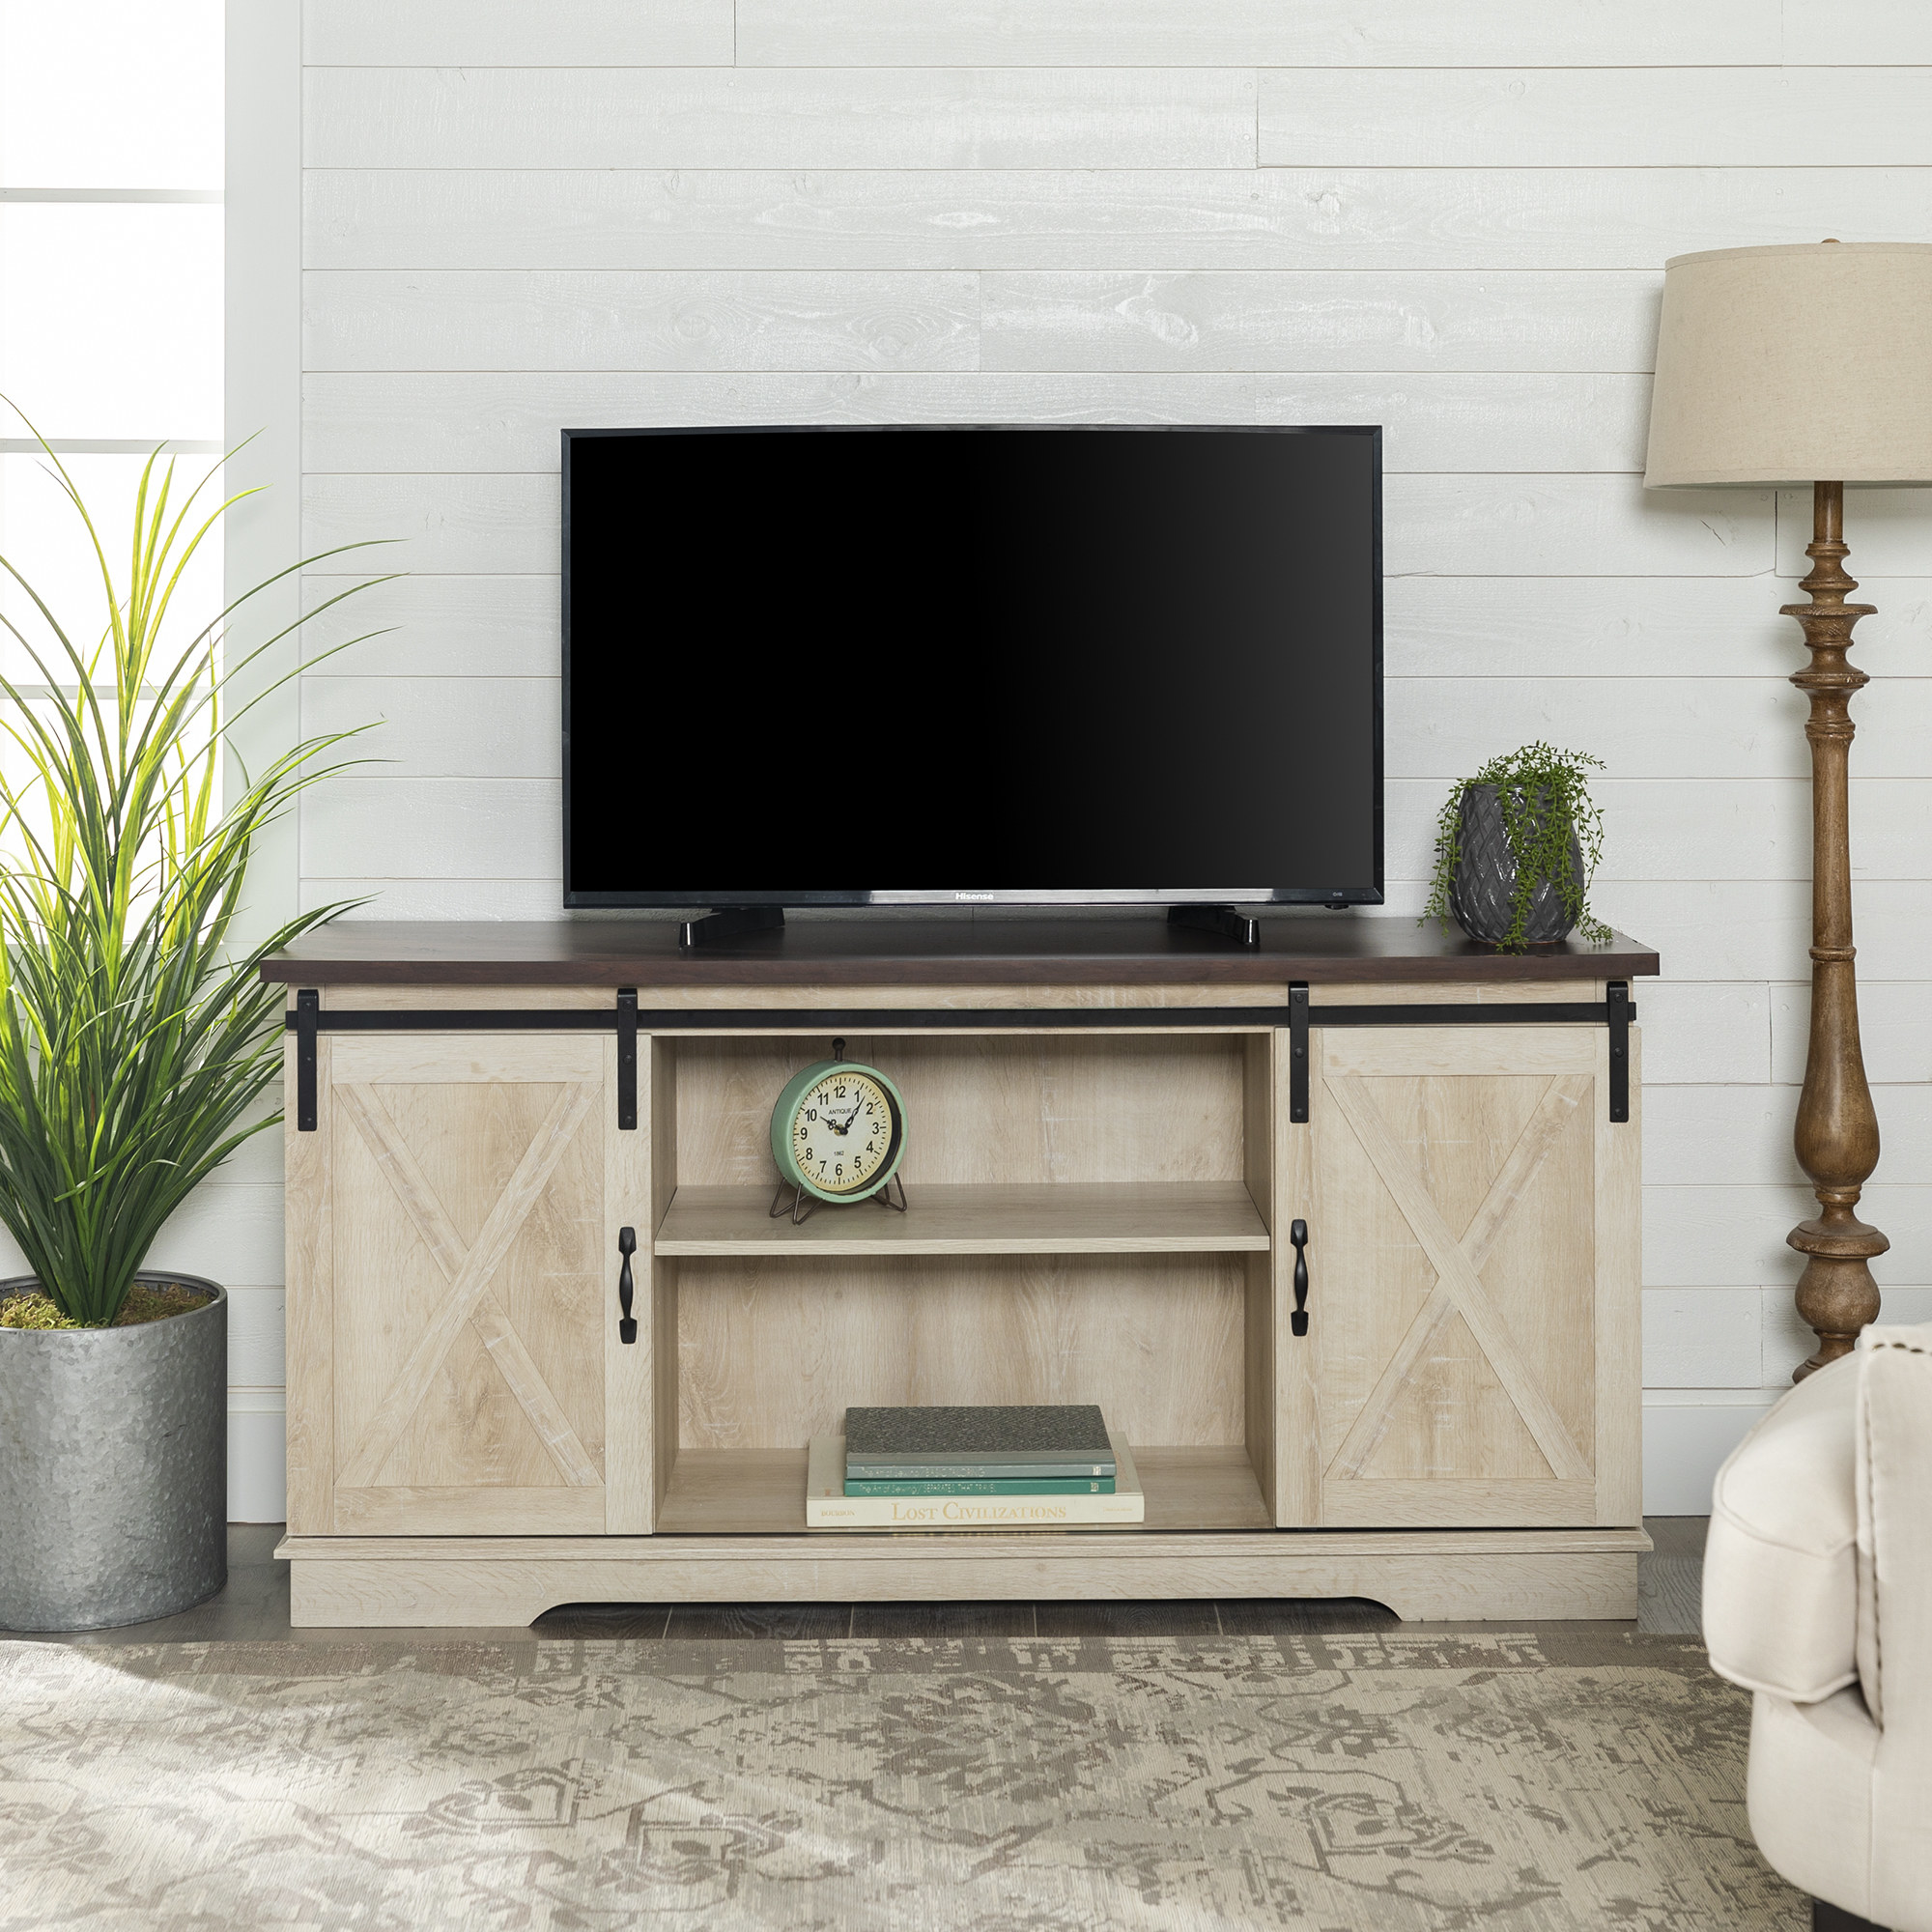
pixel 1545 797
pixel 134 1028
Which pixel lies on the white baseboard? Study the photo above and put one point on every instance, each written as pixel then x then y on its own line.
pixel 1685 1440
pixel 257 1457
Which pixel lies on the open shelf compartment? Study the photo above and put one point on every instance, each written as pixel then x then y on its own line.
pixel 1089 1222
pixel 761 1492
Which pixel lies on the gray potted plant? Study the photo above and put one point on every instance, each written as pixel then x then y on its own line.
pixel 1516 847
pixel 134 1035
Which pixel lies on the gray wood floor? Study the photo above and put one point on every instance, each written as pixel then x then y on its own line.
pixel 255 1605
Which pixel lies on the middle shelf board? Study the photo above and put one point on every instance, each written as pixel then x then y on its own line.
pixel 761 1492
pixel 958 1218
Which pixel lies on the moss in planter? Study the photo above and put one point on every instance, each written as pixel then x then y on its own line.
pixel 146 1301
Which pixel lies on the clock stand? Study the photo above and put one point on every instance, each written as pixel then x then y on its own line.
pixel 1138 1156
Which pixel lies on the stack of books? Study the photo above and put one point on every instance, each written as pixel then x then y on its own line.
pixel 1030 1466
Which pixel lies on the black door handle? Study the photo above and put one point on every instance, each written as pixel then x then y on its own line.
pixel 627 1246
pixel 1297 1322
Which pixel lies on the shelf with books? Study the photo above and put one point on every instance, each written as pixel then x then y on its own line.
pixel 964 1218
pixel 761 1492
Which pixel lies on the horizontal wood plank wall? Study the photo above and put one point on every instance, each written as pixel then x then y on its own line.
pixel 1449 220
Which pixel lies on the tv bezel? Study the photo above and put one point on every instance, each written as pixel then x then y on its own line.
pixel 1061 900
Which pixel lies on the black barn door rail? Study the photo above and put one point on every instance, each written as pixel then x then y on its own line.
pixel 309 1019
pixel 1616 1011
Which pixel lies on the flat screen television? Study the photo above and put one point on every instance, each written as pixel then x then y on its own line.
pixel 1031 666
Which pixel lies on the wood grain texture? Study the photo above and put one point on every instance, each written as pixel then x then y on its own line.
pixel 478 1059
pixel 1551 629
pixel 800 117
pixel 309 1278
pixel 1458 1264
pixel 374 827
pixel 1837 1134
pixel 636 1162
pixel 761 1492
pixel 470 421
pixel 929 951
pixel 1397 219
pixel 1259 1162
pixel 464 1224
pixel 1022 1109
pixel 604 318
pixel 352 1583
pixel 1262 318
pixel 517 33
pixel 453 628
pixel 1736 116
pixel 1618 1340
pixel 469 1267
pixel 1423 1052
pixel 1063 1218
pixel 1259 33
pixel 446 728
pixel 1467 1357
pixel 774 1350
pixel 1735 726
pixel 455 1509
pixel 886 1550
pixel 1827 33
pixel 1395 1503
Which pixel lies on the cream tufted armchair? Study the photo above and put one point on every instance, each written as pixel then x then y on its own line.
pixel 1818 1598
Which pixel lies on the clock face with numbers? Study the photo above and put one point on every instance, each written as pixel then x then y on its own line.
pixel 838 1130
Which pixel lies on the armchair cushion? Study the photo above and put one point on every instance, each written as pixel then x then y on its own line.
pixel 1781 1565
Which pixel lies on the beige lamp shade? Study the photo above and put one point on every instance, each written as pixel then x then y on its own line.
pixel 1795 365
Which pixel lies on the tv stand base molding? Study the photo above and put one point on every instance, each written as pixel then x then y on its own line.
pixel 1113 1128
pixel 397 1582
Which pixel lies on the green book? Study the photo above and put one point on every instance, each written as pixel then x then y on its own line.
pixel 1065 1486
pixel 1012 1432
pixel 989 1471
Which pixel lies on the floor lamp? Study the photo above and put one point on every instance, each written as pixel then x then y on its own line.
pixel 1784 366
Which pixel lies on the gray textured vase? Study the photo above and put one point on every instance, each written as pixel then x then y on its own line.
pixel 113 1467
pixel 1482 888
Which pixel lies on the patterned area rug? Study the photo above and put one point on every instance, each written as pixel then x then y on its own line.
pixel 1403 1782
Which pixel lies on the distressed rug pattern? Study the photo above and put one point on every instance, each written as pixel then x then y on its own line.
pixel 1402 1781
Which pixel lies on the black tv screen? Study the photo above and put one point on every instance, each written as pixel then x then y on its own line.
pixel 1066 664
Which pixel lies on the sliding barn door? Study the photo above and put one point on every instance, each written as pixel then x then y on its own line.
pixel 1474 1266
pixel 453 1261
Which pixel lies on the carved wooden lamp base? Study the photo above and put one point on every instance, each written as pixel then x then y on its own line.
pixel 1776 364
pixel 1837 1136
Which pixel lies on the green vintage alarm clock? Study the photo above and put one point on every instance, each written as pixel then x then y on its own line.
pixel 838 1135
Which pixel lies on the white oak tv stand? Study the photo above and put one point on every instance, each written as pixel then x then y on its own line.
pixel 1112 1128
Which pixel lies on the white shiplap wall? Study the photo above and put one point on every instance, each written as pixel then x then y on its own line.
pixel 525 214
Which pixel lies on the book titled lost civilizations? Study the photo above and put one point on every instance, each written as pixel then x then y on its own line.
pixel 827 1504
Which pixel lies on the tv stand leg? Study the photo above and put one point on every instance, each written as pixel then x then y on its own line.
pixel 728 921
pixel 1223 920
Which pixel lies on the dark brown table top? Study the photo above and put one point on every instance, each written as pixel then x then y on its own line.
pixel 896 950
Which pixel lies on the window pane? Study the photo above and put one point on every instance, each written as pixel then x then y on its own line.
pixel 110 92
pixel 110 317
pixel 44 539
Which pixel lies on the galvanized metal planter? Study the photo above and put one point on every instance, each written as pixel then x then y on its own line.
pixel 113 1466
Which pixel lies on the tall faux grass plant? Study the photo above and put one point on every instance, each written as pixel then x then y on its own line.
pixel 134 1029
